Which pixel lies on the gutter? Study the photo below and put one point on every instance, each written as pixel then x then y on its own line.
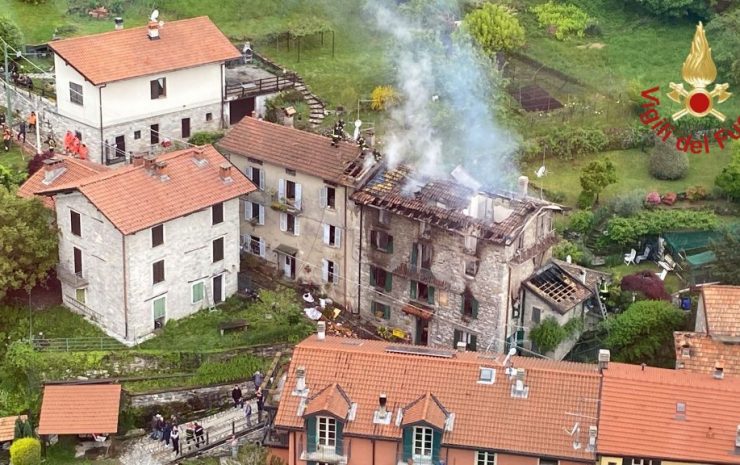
pixel 125 285
pixel 100 105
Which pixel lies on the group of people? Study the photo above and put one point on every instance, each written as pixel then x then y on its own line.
pixel 239 400
pixel 29 124
pixel 168 431
pixel 74 146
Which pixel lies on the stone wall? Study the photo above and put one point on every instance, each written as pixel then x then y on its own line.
pixel 215 396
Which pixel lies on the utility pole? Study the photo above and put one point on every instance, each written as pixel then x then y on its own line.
pixel 7 84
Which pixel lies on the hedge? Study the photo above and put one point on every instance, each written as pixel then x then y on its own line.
pixel 627 231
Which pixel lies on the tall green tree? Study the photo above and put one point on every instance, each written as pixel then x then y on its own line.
pixel 495 28
pixel 729 179
pixel 726 268
pixel 597 175
pixel 676 8
pixel 11 34
pixel 644 333
pixel 723 33
pixel 28 242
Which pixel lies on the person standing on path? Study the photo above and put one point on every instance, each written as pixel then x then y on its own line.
pixel 7 137
pixel 189 433
pixel 167 432
pixel 236 394
pixel 260 404
pixel 32 121
pixel 198 434
pixel 257 377
pixel 248 414
pixel 22 131
pixel 175 437
pixel 234 444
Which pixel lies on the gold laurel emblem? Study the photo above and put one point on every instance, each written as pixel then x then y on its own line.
pixel 699 71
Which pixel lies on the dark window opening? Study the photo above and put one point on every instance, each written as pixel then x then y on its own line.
pixel 154 134
pixel 158 88
pixel 78 261
pixel 185 127
pixel 158 272
pixel 380 279
pixel 290 171
pixel 74 219
pixel 536 314
pixel 209 116
pixel 217 213
pixel 137 135
pixel 469 305
pixel 218 249
pixel 290 223
pixel 290 190
pixel 158 235
pixel 381 240
pixel 331 200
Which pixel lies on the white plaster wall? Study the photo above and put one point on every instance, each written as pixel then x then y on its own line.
pixel 89 112
pixel 187 252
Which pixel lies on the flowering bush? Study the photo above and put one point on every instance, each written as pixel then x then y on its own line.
pixel 653 197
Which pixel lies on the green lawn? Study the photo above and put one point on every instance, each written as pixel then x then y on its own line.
pixel 672 282
pixel 632 173
pixel 14 159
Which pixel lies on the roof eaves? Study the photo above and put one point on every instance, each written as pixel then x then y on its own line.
pixel 87 78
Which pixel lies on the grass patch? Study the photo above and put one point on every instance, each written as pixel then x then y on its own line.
pixel 63 453
pixel 672 282
pixel 14 159
pixel 632 174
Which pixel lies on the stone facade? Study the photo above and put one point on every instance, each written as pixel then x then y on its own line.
pixel 218 393
pixel 531 301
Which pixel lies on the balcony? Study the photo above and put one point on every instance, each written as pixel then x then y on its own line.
pixel 418 461
pixel 281 204
pixel 323 454
pixel 71 278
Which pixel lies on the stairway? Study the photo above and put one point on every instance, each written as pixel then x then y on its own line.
pixel 316 106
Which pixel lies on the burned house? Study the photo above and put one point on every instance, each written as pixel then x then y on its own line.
pixel 442 260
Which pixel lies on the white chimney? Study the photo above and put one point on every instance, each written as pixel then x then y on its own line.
pixel 153 30
pixel 119 23
pixel 300 379
pixel 321 330
pixel 737 437
pixel 461 345
pixel 604 358
pixel 592 433
pixel 382 401
pixel 523 186
pixel 719 370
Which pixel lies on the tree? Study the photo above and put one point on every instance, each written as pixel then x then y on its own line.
pixel 597 175
pixel 725 269
pixel 548 335
pixel 676 8
pixel 10 33
pixel 37 162
pixel 724 33
pixel 28 242
pixel 9 179
pixel 26 451
pixel 644 333
pixel 23 429
pixel 494 28
pixel 729 179
pixel 666 162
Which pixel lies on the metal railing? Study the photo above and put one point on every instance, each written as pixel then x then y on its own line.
pixel 82 308
pixel 76 344
pixel 261 86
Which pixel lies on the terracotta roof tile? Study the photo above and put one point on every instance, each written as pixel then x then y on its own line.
pixel 116 55
pixel 640 415
pixel 7 427
pixel 425 409
pixel 331 399
pixel 533 425
pixel 699 353
pixel 80 409
pixel 558 287
pixel 722 307
pixel 301 151
pixel 188 187
pixel 74 170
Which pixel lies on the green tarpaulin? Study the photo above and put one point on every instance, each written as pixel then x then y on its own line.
pixel 701 259
pixel 690 240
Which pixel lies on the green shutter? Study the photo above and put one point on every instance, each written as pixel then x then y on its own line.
pixel 457 335
pixel 372 275
pixel 430 294
pixel 462 304
pixel 412 289
pixel 311 434
pixel 159 308
pixel 387 312
pixel 414 254
pixel 408 443
pixel 340 438
pixel 473 342
pixel 475 308
pixel 436 445
pixel 388 281
pixel 390 244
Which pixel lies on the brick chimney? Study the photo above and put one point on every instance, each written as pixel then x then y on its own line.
pixel 225 172
pixel 153 30
pixel 159 167
pixel 137 159
pixel 149 162
pixel 53 167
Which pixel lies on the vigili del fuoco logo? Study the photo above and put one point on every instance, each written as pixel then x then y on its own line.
pixel 699 72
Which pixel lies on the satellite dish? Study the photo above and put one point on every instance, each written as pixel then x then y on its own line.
pixel 541 171
pixel 356 135
pixel 155 15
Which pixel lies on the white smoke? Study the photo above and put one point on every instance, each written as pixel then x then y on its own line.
pixel 435 134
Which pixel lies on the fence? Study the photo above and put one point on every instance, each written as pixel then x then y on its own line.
pixel 261 86
pixel 76 344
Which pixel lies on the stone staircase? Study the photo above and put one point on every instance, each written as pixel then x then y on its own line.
pixel 220 426
pixel 316 106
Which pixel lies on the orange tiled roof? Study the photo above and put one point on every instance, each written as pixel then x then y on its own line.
pixel 80 409
pixel 533 425
pixel 74 170
pixel 639 415
pixel 292 148
pixel 120 194
pixel 722 308
pixel 116 55
pixel 331 399
pixel 704 352
pixel 427 409
pixel 7 427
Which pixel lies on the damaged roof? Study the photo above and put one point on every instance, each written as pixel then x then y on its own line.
pixel 443 203
pixel 557 287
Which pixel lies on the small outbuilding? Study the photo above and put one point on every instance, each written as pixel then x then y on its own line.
pixel 90 409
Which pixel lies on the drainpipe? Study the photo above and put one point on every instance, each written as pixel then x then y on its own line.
pixel 346 252
pixel 359 261
pixel 125 285
pixel 373 442
pixel 102 145
pixel 223 97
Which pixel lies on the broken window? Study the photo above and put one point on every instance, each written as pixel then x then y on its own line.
pixel 380 279
pixel 158 88
pixel 421 255
pixel 469 305
pixel 381 240
pixel 422 292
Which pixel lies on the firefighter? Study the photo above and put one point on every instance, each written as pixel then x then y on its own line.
pixel 336 135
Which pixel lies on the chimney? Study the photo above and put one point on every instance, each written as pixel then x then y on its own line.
pixel 137 159
pixel 119 23
pixel 593 432
pixel 149 162
pixel 370 139
pixel 53 167
pixel 225 172
pixel 300 379
pixel 321 330
pixel 382 416
pixel 583 276
pixel 737 436
pixel 159 168
pixel 604 358
pixel 523 184
pixel 461 346
pixel 719 370
pixel 382 401
pixel 153 30
pixel 288 114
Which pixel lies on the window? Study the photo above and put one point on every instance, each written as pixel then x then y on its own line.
pixel 257 176
pixel 330 271
pixel 485 458
pixel 158 272
pixel 520 244
pixel 74 220
pixel 254 160
pixel 421 256
pixel 469 306
pixel 381 240
pixel 185 127
pixel 381 310
pixel 80 295
pixel 158 88
pixel 328 197
pixel 471 340
pixel 536 314
pixel 137 135
pixel 384 217
pixel 471 243
pixel 487 375
pixel 154 134
pixel 159 312
pixel 327 431
pixel 254 213
pixel 644 462
pixel 218 249
pixel 471 268
pixel 422 292
pixel 209 116
pixel 217 213
pixel 198 292
pixel 548 462
pixel 254 245
pixel 332 235
pixel 381 279
pixel 158 235
pixel 288 264
pixel 289 192
pixel 290 171
pixel 75 93
pixel 77 261
pixel 289 223
pixel 422 442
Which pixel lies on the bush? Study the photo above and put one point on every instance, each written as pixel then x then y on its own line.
pixel 626 231
pixel 205 137
pixel 567 19
pixel 668 163
pixel 26 451
pixel 566 143
pixel 695 193
pixel 494 28
pixel 676 8
pixel 383 97
pixel 581 221
pixel 729 179
pixel 238 368
pixel 578 252
pixel 585 200
pixel 37 162
pixel 646 282
pixel 548 335
pixel 627 204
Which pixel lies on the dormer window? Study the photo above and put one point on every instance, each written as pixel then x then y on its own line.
pixel 422 443
pixel 486 375
pixel 326 432
pixel 686 352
